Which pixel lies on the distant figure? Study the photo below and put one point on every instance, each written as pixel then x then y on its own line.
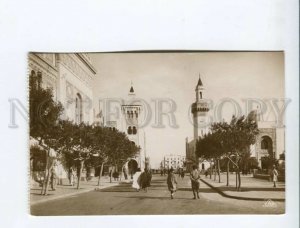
pixel 72 176
pixel 172 182
pixel 182 174
pixel 115 175
pixel 136 180
pixel 53 179
pixel 195 179
pixel 206 173
pixel 145 178
pixel 274 176
pixel 161 172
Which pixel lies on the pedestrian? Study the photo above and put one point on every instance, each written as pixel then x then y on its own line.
pixel 274 176
pixel 136 180
pixel 145 179
pixel 172 182
pixel 195 180
pixel 53 179
pixel 182 174
pixel 206 173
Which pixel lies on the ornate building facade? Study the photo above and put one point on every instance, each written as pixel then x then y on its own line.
pixel 70 76
pixel 270 142
pixel 130 124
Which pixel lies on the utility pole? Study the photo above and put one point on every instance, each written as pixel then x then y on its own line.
pixel 145 149
pixel 164 165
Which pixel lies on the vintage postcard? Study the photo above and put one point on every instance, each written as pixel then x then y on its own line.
pixel 157 133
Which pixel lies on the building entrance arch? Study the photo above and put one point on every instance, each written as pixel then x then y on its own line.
pixel 132 165
pixel 266 146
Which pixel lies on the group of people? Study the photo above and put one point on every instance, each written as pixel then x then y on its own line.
pixel 195 180
pixel 142 180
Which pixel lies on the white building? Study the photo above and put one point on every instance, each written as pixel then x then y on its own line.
pixel 173 161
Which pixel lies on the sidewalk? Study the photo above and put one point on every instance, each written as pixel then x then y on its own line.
pixel 251 188
pixel 65 190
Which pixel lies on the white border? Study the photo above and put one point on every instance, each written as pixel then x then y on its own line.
pixel 93 25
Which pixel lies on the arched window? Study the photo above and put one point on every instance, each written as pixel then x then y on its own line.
pixel 264 144
pixel 129 131
pixel 134 131
pixel 200 95
pixel 78 109
pixel 39 79
pixel 128 114
pixel 131 114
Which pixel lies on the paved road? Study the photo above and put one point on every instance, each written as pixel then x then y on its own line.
pixel 123 200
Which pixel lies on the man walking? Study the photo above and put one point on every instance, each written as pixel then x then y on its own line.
pixel 172 182
pixel 274 176
pixel 195 179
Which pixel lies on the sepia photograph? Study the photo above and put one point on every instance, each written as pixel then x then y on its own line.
pixel 179 114
pixel 157 133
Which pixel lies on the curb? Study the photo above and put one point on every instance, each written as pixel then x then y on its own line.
pixel 239 197
pixel 96 188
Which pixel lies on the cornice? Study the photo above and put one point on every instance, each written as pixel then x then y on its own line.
pixel 86 62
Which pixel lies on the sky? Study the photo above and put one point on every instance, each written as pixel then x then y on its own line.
pixel 235 75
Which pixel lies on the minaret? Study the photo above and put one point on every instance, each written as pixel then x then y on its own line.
pixel 131 112
pixel 200 110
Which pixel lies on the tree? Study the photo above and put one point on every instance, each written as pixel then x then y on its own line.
pixel 44 111
pixel 210 148
pixel 240 134
pixel 75 145
pixel 221 130
pixel 44 114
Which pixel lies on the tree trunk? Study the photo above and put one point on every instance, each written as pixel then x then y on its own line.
pixel 236 178
pixel 210 170
pixel 49 165
pixel 47 182
pixel 228 162
pixel 46 174
pixel 100 174
pixel 110 175
pixel 239 179
pixel 215 170
pixel 237 171
pixel 219 173
pixel 80 171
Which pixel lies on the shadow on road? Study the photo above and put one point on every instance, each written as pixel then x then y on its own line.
pixel 248 189
pixel 153 197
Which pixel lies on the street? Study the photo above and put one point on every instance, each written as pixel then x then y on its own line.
pixel 124 200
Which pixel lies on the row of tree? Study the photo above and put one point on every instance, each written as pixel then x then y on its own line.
pixel 75 146
pixel 229 141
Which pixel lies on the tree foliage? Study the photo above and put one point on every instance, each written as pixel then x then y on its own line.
pixel 231 140
pixel 75 145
